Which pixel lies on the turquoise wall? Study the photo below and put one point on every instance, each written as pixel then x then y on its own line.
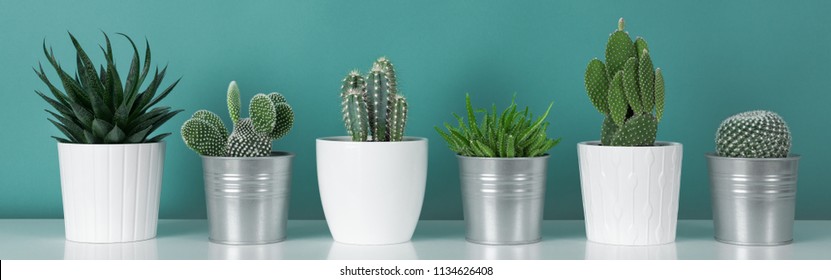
pixel 719 58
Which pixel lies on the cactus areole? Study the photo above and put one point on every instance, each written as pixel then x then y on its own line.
pixel 627 90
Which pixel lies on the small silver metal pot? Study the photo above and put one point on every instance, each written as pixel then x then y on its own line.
pixel 247 198
pixel 503 199
pixel 754 199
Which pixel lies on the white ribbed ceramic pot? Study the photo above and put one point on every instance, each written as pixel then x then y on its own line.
pixel 630 194
pixel 111 191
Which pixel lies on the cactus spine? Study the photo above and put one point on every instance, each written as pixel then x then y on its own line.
pixel 372 108
pixel 627 89
pixel 270 119
pixel 753 134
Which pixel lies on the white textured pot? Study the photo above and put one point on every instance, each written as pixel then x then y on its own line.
pixel 111 192
pixel 371 192
pixel 630 194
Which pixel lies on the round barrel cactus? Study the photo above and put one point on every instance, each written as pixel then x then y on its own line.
pixel 753 134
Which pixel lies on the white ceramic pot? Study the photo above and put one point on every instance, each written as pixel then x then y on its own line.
pixel 630 194
pixel 111 192
pixel 371 192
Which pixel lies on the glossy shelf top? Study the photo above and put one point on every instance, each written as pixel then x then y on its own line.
pixel 433 240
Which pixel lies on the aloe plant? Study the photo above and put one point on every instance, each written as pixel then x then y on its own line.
pixel 96 107
pixel 512 133
pixel 627 90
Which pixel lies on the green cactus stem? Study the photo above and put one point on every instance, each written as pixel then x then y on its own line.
pixel 372 108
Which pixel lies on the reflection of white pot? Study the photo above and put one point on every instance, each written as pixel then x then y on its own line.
pixel 111 191
pixel 400 251
pixel 142 250
pixel 630 194
pixel 371 191
pixel 597 251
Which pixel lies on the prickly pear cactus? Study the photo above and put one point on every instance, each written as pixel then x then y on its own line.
pixel 628 90
pixel 753 134
pixel 372 108
pixel 270 119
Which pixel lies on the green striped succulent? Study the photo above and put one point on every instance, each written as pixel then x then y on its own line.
pixel 510 134
pixel 95 107
pixel 271 118
pixel 627 90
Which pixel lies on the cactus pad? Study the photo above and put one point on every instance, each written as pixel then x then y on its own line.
pixel 246 141
pixel 233 102
pixel 753 134
pixel 203 137
pixel 597 84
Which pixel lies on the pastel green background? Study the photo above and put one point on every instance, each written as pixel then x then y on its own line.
pixel 719 58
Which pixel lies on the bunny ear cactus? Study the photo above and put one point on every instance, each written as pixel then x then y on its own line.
pixel 270 119
pixel 372 108
pixel 628 90
pixel 754 134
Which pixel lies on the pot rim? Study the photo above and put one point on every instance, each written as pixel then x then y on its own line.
pixel 348 139
pixel 544 156
pixel 111 145
pixel 658 144
pixel 790 156
pixel 274 154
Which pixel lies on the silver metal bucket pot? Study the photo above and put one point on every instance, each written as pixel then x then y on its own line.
pixel 247 198
pixel 503 199
pixel 753 199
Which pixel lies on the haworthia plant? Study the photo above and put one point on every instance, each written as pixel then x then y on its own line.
pixel 270 119
pixel 753 134
pixel 627 90
pixel 510 134
pixel 373 110
pixel 96 107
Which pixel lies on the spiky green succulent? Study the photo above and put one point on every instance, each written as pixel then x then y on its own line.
pixel 271 118
pixel 510 134
pixel 628 90
pixel 753 134
pixel 96 107
pixel 372 108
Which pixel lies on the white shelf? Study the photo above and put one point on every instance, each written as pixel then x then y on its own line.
pixel 310 240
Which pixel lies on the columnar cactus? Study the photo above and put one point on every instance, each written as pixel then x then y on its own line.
pixel 753 134
pixel 271 119
pixel 627 90
pixel 372 108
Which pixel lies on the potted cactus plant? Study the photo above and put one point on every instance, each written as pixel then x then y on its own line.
pixel 502 164
pixel 372 182
pixel 753 180
pixel 246 183
pixel 110 163
pixel 630 182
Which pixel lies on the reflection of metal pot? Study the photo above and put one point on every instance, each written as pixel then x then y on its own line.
pixel 247 198
pixel 503 199
pixel 754 199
